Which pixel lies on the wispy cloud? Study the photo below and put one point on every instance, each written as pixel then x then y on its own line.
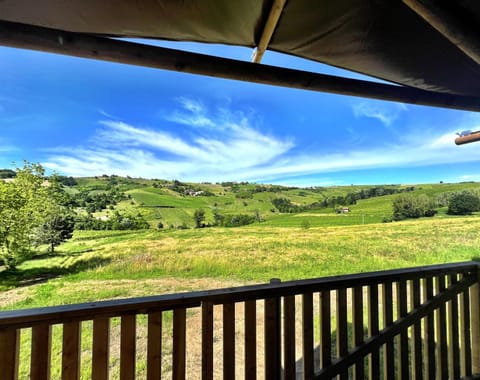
pixel 6 147
pixel 193 113
pixel 121 148
pixel 235 150
pixel 386 113
pixel 107 114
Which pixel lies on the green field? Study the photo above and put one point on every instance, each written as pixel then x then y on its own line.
pixel 312 243
pixel 109 264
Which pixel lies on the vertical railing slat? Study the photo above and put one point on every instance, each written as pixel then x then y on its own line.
pixel 325 329
pixel 475 319
pixel 307 335
pixel 229 341
pixel 466 333
pixel 442 331
pixel 289 337
pixel 9 353
pixel 403 346
pixel 272 339
pixel 207 340
pixel 179 344
pixel 358 329
pixel 71 351
pixel 417 363
pixel 388 357
pixel 100 348
pixel 251 340
pixel 342 329
pixel 154 346
pixel 453 334
pixel 127 347
pixel 41 351
pixel 429 333
pixel 373 328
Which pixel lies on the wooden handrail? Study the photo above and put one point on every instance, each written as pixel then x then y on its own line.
pixel 144 305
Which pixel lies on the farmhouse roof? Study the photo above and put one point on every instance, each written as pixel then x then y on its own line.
pixel 429 50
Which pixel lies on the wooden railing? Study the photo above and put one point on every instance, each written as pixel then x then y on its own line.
pixel 399 324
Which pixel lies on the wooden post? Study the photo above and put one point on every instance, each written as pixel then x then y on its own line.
pixel 179 344
pixel 128 347
pixel 325 329
pixel 415 294
pixel 289 337
pixel 207 341
pixel 71 350
pixel 358 339
pixel 475 315
pixel 9 350
pixel 100 348
pixel 430 362
pixel 403 350
pixel 307 335
pixel 388 357
pixel 41 351
pixel 272 337
pixel 373 320
pixel 251 340
pixel 229 341
pixel 342 329
pixel 154 346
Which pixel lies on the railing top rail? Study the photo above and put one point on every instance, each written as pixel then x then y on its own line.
pixel 142 305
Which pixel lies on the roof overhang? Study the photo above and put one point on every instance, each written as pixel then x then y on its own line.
pixel 427 49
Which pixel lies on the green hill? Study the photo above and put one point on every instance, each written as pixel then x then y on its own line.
pixel 173 203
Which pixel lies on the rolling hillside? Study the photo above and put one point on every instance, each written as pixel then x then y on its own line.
pixel 173 203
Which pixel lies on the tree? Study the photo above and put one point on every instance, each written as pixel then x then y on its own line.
pixel 463 203
pixel 57 227
pixel 199 218
pixel 217 217
pixel 22 206
pixel 258 216
pixel 410 206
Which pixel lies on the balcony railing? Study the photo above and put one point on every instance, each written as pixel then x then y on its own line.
pixel 419 323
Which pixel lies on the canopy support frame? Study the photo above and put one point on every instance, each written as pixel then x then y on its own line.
pixel 114 50
pixel 268 30
pixel 464 38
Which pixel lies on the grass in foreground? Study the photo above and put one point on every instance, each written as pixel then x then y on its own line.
pixel 102 265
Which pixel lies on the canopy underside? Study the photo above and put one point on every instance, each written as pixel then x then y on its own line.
pixel 383 38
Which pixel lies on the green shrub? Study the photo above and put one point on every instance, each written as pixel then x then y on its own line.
pixel 239 220
pixel 463 203
pixel 407 206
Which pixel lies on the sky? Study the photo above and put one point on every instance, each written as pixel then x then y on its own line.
pixel 81 117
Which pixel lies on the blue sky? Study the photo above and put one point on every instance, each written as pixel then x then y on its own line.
pixel 82 118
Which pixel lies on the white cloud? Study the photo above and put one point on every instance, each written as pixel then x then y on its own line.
pixel 193 113
pixel 6 148
pixel 234 150
pixel 386 113
pixel 470 177
pixel 191 105
pixel 106 114
pixel 120 148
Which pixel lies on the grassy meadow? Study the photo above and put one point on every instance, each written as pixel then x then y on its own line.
pixel 98 265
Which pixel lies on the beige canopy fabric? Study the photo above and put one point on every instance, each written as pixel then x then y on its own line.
pixel 386 39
